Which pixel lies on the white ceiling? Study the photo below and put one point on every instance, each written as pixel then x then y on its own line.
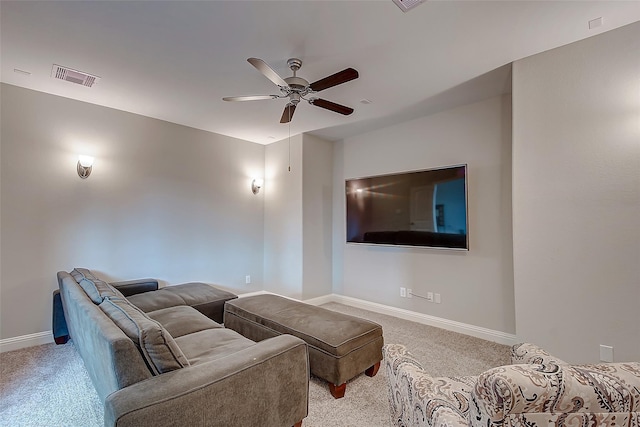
pixel 175 60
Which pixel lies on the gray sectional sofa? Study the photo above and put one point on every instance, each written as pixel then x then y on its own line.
pixel 174 366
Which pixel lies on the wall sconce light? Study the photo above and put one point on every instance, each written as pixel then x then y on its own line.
pixel 256 185
pixel 85 165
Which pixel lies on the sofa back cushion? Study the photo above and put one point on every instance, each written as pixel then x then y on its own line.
pixel 157 346
pixel 96 289
pixel 530 353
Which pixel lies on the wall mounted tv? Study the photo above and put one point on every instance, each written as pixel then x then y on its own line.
pixel 419 208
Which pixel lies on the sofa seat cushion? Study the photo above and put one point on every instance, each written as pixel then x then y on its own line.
pixel 156 300
pixel 205 298
pixel 182 320
pixel 157 346
pixel 96 289
pixel 212 344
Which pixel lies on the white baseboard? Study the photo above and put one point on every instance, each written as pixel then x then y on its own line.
pixel 251 294
pixel 425 319
pixel 322 300
pixel 16 343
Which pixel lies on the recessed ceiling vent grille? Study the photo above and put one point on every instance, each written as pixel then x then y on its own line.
pixel 73 76
pixel 407 5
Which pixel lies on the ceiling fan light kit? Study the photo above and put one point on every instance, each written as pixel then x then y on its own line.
pixel 296 88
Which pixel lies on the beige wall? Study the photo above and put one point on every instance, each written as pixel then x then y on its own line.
pixel 283 217
pixel 476 286
pixel 317 207
pixel 163 201
pixel 576 204
pixel 298 217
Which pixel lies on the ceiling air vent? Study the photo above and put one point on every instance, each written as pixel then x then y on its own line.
pixel 73 76
pixel 407 5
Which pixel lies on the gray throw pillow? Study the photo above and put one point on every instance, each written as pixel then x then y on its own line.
pixel 96 289
pixel 157 346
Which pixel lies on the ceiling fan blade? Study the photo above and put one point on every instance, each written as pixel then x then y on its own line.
pixel 267 71
pixel 249 98
pixel 287 114
pixel 334 79
pixel 332 106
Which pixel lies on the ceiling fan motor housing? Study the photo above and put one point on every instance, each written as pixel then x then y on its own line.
pixel 296 88
pixel 297 83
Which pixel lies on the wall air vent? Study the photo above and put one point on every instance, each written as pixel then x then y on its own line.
pixel 407 5
pixel 73 76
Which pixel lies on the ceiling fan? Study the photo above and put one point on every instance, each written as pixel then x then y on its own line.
pixel 296 88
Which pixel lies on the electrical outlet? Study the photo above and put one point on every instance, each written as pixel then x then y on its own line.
pixel 438 300
pixel 430 296
pixel 403 292
pixel 606 353
pixel 247 279
pixel 409 294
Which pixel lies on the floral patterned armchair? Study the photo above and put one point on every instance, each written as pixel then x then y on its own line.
pixel 536 390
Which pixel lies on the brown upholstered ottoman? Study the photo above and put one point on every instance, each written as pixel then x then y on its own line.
pixel 340 346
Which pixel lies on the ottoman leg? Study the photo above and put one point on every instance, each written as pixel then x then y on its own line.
pixel 337 391
pixel 373 370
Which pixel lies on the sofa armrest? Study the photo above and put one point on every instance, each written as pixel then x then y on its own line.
pixel 417 399
pixel 266 384
pixel 602 394
pixel 531 353
pixel 132 287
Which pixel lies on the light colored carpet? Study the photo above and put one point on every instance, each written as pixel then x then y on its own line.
pixel 48 385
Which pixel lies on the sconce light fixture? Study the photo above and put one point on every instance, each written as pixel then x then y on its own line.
pixel 85 165
pixel 256 185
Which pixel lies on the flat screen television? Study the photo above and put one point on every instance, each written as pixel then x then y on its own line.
pixel 419 208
